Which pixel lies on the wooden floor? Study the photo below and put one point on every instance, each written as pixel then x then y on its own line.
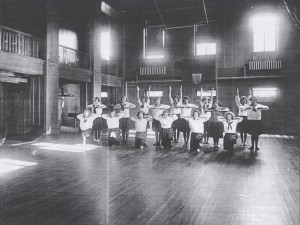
pixel 121 185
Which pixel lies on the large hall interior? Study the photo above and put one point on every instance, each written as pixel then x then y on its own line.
pixel 149 112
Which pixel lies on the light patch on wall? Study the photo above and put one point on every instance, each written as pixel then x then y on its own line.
pixel 264 92
pixel 68 39
pixel 105 45
pixel 206 93
pixel 155 93
pixel 264 33
pixel 104 94
pixel 206 49
pixel 155 56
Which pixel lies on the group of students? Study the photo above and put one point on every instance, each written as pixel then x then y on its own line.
pixel 196 122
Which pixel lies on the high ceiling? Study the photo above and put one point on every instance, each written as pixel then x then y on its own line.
pixel 181 12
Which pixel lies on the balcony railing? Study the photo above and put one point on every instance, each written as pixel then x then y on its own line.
pixel 74 58
pixel 18 42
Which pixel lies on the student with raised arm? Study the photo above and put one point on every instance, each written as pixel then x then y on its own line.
pixel 124 108
pixel 215 126
pixel 113 123
pixel 166 121
pixel 241 103
pixel 144 101
pixel 157 109
pixel 174 101
pixel 254 122
pixel 183 124
pixel 230 123
pixel 99 123
pixel 141 120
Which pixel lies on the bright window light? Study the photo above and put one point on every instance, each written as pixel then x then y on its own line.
pixel 155 93
pixel 68 39
pixel 264 33
pixel 265 92
pixel 77 148
pixel 206 93
pixel 105 45
pixel 206 49
pixel 9 165
pixel 155 56
pixel 104 95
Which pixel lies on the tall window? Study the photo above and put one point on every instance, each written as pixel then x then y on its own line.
pixel 206 49
pixel 105 45
pixel 153 43
pixel 265 34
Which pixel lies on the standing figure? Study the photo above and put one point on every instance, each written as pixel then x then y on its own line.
pixel 230 123
pixel 207 103
pixel 254 123
pixel 99 122
pixel 166 121
pixel 242 127
pixel 141 120
pixel 157 109
pixel 86 123
pixel 113 125
pixel 196 123
pixel 175 101
pixel 124 107
pixel 183 124
pixel 215 126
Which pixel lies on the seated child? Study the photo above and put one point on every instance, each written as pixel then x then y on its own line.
pixel 141 122
pixel 86 123
pixel 113 123
pixel 230 123
pixel 196 124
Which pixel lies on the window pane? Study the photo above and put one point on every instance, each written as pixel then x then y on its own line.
pixel 211 48
pixel 105 45
pixel 201 49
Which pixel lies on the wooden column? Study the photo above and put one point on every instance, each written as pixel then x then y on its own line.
pixel 52 69
pixel 96 49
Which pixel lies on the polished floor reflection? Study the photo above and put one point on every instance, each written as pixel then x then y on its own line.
pixel 56 181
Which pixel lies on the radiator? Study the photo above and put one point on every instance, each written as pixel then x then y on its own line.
pixel 265 65
pixel 153 70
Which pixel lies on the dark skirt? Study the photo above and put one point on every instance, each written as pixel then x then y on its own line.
pixel 86 133
pixel 125 123
pixel 99 124
pixel 140 138
pixel 183 125
pixel 166 137
pixel 242 126
pixel 230 141
pixel 113 140
pixel 205 124
pixel 175 124
pixel 156 126
pixel 196 139
pixel 254 127
pixel 215 129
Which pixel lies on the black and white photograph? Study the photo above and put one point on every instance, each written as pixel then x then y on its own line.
pixel 149 112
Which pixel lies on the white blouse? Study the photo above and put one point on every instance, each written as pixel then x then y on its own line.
pixel 196 125
pixel 186 109
pixel 158 110
pixel 86 122
pixel 113 122
pixel 255 113
pixel 144 107
pixel 140 124
pixel 166 122
pixel 126 110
